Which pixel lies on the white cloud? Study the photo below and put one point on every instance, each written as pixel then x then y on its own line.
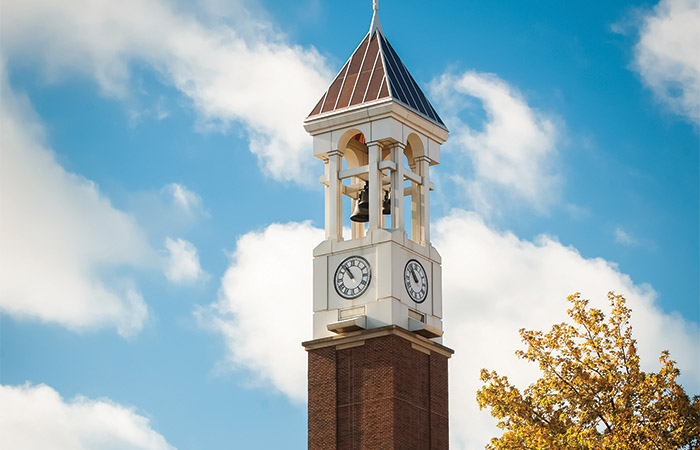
pixel 494 284
pixel 37 418
pixel 667 58
pixel 183 262
pixel 624 238
pixel 235 70
pixel 183 199
pixel 264 308
pixel 157 112
pixel 513 156
pixel 171 210
pixel 60 239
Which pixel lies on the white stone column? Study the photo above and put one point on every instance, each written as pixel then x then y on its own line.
pixel 397 197
pixel 423 167
pixel 334 204
pixel 327 197
pixel 375 187
pixel 415 206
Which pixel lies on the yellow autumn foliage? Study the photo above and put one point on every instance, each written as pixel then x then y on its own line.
pixel 592 394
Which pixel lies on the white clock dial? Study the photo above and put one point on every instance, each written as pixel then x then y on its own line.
pixel 352 277
pixel 416 281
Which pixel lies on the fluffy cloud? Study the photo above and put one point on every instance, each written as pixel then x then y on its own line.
pixel 667 55
pixel 36 418
pixel 513 155
pixel 231 69
pixel 60 239
pixel 494 284
pixel 183 262
pixel 264 310
pixel 184 199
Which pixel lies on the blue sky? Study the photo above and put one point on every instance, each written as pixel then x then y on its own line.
pixel 154 172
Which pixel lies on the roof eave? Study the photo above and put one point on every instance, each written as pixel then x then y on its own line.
pixel 372 111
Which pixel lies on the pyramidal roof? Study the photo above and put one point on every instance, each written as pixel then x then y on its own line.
pixel 375 72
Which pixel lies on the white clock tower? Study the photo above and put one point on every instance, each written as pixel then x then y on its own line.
pixel 377 368
pixel 377 135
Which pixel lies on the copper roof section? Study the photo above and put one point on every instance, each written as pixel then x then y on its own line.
pixel 374 72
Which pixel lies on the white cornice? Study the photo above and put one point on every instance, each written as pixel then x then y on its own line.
pixel 368 112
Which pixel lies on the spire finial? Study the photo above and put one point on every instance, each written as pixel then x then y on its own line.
pixel 376 25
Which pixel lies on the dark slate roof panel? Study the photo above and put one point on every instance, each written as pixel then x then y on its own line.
pixel 406 88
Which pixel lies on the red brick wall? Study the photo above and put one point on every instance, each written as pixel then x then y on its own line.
pixel 439 405
pixel 378 396
pixel 322 403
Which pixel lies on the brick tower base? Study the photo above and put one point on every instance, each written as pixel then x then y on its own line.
pixel 378 389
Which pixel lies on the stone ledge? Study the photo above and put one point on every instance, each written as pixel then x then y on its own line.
pixel 358 336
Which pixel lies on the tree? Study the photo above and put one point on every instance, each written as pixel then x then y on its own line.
pixel 592 394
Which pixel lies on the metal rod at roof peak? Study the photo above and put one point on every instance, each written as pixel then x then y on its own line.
pixel 376 25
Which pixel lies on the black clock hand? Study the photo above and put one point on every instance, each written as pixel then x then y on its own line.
pixel 349 272
pixel 413 273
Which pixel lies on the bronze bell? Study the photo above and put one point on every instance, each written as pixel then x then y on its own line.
pixel 361 212
pixel 386 204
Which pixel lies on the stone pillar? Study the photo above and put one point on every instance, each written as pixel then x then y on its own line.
pixel 334 204
pixel 397 197
pixel 423 203
pixel 375 187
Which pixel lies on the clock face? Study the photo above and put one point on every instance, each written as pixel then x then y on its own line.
pixel 416 281
pixel 352 277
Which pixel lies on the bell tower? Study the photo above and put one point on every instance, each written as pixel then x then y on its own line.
pixel 377 366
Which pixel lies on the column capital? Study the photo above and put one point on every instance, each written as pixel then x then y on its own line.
pixel 335 152
pixel 397 144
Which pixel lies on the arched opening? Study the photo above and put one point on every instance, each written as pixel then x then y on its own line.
pixel 414 147
pixel 355 154
pixel 415 200
pixel 359 186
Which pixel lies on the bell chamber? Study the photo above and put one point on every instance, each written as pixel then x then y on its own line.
pixel 361 212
